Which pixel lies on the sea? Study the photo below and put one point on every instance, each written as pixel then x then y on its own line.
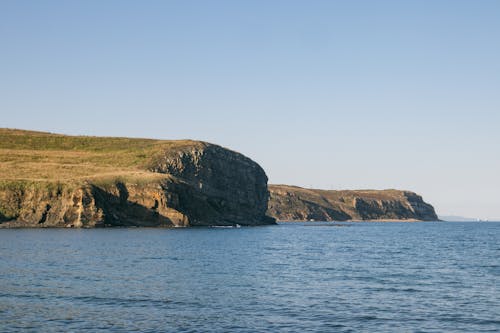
pixel 290 277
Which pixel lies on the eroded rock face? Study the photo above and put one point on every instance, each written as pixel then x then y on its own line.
pixel 217 186
pixel 198 185
pixel 290 203
pixel 49 205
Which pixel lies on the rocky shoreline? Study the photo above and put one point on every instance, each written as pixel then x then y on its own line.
pixel 51 180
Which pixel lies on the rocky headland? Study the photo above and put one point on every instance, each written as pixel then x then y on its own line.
pixel 291 203
pixel 51 180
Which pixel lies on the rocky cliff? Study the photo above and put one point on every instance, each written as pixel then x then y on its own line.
pixel 61 181
pixel 290 203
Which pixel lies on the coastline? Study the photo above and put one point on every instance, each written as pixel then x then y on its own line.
pixel 356 221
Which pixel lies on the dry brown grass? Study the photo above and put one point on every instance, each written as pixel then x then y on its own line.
pixel 38 156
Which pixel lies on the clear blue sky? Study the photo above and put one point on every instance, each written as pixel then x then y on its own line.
pixel 328 94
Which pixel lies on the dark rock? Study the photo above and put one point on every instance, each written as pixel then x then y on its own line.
pixel 291 203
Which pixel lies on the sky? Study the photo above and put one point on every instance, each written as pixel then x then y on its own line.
pixel 323 94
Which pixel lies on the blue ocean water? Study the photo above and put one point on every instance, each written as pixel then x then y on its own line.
pixel 294 277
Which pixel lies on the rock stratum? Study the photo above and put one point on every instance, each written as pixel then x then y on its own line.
pixel 291 203
pixel 52 180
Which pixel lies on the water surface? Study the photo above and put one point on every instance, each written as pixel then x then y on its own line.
pixel 294 277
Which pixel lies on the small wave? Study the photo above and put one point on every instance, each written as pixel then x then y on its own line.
pixel 226 226
pixel 151 258
pixel 476 321
pixel 123 301
pixel 368 317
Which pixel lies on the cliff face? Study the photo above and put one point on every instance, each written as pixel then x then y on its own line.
pixel 218 186
pixel 91 205
pixel 290 203
pixel 180 184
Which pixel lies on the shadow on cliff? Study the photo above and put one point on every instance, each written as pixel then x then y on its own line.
pixel 119 211
pixel 319 212
pixel 3 218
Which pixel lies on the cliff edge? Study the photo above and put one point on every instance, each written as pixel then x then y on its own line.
pixel 291 203
pixel 52 180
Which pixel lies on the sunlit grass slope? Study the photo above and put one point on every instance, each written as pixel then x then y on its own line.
pixel 39 156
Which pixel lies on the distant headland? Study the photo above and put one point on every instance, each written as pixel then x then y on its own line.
pixel 292 203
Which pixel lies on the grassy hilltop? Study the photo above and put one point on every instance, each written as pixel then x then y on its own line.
pixel 39 156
